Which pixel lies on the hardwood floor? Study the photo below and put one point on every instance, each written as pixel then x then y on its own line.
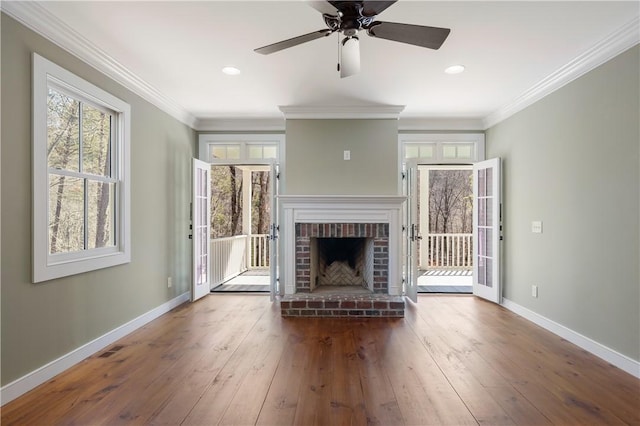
pixel 231 359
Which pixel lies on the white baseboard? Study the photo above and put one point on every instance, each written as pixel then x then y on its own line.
pixel 24 384
pixel 623 362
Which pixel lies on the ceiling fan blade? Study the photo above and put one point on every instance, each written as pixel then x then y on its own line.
pixel 285 44
pixel 350 57
pixel 323 7
pixel 373 8
pixel 418 35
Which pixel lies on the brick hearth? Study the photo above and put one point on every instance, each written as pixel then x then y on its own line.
pixel 342 305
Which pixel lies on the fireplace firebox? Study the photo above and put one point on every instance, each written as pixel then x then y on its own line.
pixel 346 254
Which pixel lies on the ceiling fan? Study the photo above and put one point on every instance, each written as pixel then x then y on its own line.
pixel 349 17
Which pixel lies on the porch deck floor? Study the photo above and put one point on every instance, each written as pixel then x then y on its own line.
pixel 429 281
pixel 445 281
pixel 251 281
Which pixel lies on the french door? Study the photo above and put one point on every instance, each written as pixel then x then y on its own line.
pixel 487 229
pixel 230 254
pixel 201 229
pixel 273 234
pixel 411 230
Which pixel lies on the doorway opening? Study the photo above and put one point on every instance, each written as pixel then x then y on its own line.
pixel 445 219
pixel 240 222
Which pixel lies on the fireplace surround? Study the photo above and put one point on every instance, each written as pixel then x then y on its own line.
pixel 376 220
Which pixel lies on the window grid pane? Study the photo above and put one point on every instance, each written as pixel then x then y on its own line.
pixel 426 151
pixel 96 141
pixel 269 152
pixel 449 151
pixel 233 152
pixel 63 131
pixel 100 223
pixel 66 214
pixel 255 151
pixel 411 151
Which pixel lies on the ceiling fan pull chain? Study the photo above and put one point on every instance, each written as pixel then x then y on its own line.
pixel 339 53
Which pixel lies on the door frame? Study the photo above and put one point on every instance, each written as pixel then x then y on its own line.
pixel 273 169
pixel 438 158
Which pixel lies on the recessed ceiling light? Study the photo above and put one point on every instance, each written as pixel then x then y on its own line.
pixel 231 70
pixel 454 69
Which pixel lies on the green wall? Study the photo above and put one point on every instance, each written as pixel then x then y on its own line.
pixel 41 322
pixel 572 161
pixel 315 164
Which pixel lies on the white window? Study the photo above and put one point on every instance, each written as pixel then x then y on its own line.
pixel 241 148
pixel 431 148
pixel 81 208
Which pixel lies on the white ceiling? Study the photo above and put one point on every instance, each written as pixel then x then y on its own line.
pixel 179 48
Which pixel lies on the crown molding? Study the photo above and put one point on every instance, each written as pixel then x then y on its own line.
pixel 342 112
pixel 617 42
pixel 35 17
pixel 240 125
pixel 440 124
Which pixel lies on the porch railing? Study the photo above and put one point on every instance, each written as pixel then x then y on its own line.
pixel 228 258
pixel 447 251
pixel 259 251
pixel 231 256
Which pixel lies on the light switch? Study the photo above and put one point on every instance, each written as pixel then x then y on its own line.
pixel 347 155
pixel 536 227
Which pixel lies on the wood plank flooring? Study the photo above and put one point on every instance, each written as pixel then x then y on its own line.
pixel 232 360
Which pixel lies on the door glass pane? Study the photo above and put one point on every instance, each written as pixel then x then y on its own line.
pixel 96 137
pixel 489 273
pixel 488 215
pixel 481 270
pixel 489 182
pixel 63 131
pixel 488 244
pixel 100 224
pixel 66 214
pixel 481 241
pixel 481 183
pixel 482 211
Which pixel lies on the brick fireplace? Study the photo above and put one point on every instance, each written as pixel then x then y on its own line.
pixel 369 243
pixel 341 255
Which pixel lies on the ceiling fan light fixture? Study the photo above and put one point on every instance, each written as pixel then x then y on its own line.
pixel 454 69
pixel 231 70
pixel 350 57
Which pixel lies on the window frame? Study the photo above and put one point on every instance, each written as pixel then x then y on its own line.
pixel 243 142
pixel 46 266
pixel 439 141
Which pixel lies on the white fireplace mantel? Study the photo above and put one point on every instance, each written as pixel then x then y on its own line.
pixel 341 209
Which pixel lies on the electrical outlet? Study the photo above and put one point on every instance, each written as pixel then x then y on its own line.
pixel 536 227
pixel 534 291
pixel 169 282
pixel 347 155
